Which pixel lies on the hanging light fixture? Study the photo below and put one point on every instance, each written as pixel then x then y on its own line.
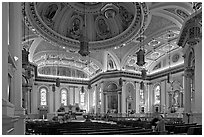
pixel 89 86
pixel 84 42
pixel 141 53
pixel 142 85
pixel 140 57
pixel 57 80
pixel 53 87
pixel 144 74
pixel 82 89
pixel 169 74
pixel 84 46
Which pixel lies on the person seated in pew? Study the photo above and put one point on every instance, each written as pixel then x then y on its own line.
pixel 139 119
pixel 160 124
pixel 154 123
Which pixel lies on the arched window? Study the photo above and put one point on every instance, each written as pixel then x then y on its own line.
pixel 64 97
pixel 157 94
pixel 142 96
pixel 43 96
pixel 82 100
pixel 94 97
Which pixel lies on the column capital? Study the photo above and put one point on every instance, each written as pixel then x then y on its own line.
pixel 189 72
pixel 119 92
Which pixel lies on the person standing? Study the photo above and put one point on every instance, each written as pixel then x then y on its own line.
pixel 161 125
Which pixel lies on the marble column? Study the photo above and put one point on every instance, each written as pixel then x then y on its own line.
pixel 96 99
pixel 15 46
pixel 102 99
pixel 5 39
pixel 53 92
pixel 187 89
pixel 147 106
pixel 137 97
pixel 198 83
pixel 170 100
pixel 74 96
pixel 124 102
pixel 106 102
pixel 88 96
pixel 119 102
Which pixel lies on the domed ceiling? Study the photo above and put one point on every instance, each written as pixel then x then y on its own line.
pixel 115 31
pixel 104 25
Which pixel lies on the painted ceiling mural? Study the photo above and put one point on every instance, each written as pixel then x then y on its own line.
pixel 52 32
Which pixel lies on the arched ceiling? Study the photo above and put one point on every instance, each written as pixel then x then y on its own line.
pixel 53 30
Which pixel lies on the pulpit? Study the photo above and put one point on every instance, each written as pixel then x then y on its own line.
pixel 43 110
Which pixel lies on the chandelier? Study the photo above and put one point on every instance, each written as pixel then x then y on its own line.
pixel 141 57
pixel 84 46
pixel 84 42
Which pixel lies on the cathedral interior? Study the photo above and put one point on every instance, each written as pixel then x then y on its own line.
pixel 101 67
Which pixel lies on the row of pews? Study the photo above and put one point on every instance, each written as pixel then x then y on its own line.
pixel 120 127
pixel 83 128
pixel 185 129
pixel 171 128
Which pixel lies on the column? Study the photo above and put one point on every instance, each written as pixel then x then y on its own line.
pixel 34 104
pixel 187 89
pixel 163 95
pixel 119 102
pixel 15 34
pixel 5 14
pixel 74 96
pixel 88 96
pixel 29 101
pixel 71 95
pixel 170 100
pixel 147 106
pixel 96 99
pixel 106 102
pixel 77 94
pixel 53 92
pixel 124 102
pixel 137 97
pixel 102 99
pixel 198 83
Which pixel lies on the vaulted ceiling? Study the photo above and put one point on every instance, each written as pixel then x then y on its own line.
pixel 115 31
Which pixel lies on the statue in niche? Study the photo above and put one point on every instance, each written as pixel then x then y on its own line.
pixel 103 28
pixel 75 31
pixel 176 96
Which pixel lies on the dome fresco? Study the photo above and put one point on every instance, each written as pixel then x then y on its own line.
pixel 105 25
pixel 119 29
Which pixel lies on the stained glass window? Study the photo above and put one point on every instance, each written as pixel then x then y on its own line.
pixel 64 97
pixel 141 96
pixel 157 95
pixel 82 98
pixel 43 97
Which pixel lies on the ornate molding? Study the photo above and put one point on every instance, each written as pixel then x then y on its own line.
pixel 189 72
pixel 191 32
